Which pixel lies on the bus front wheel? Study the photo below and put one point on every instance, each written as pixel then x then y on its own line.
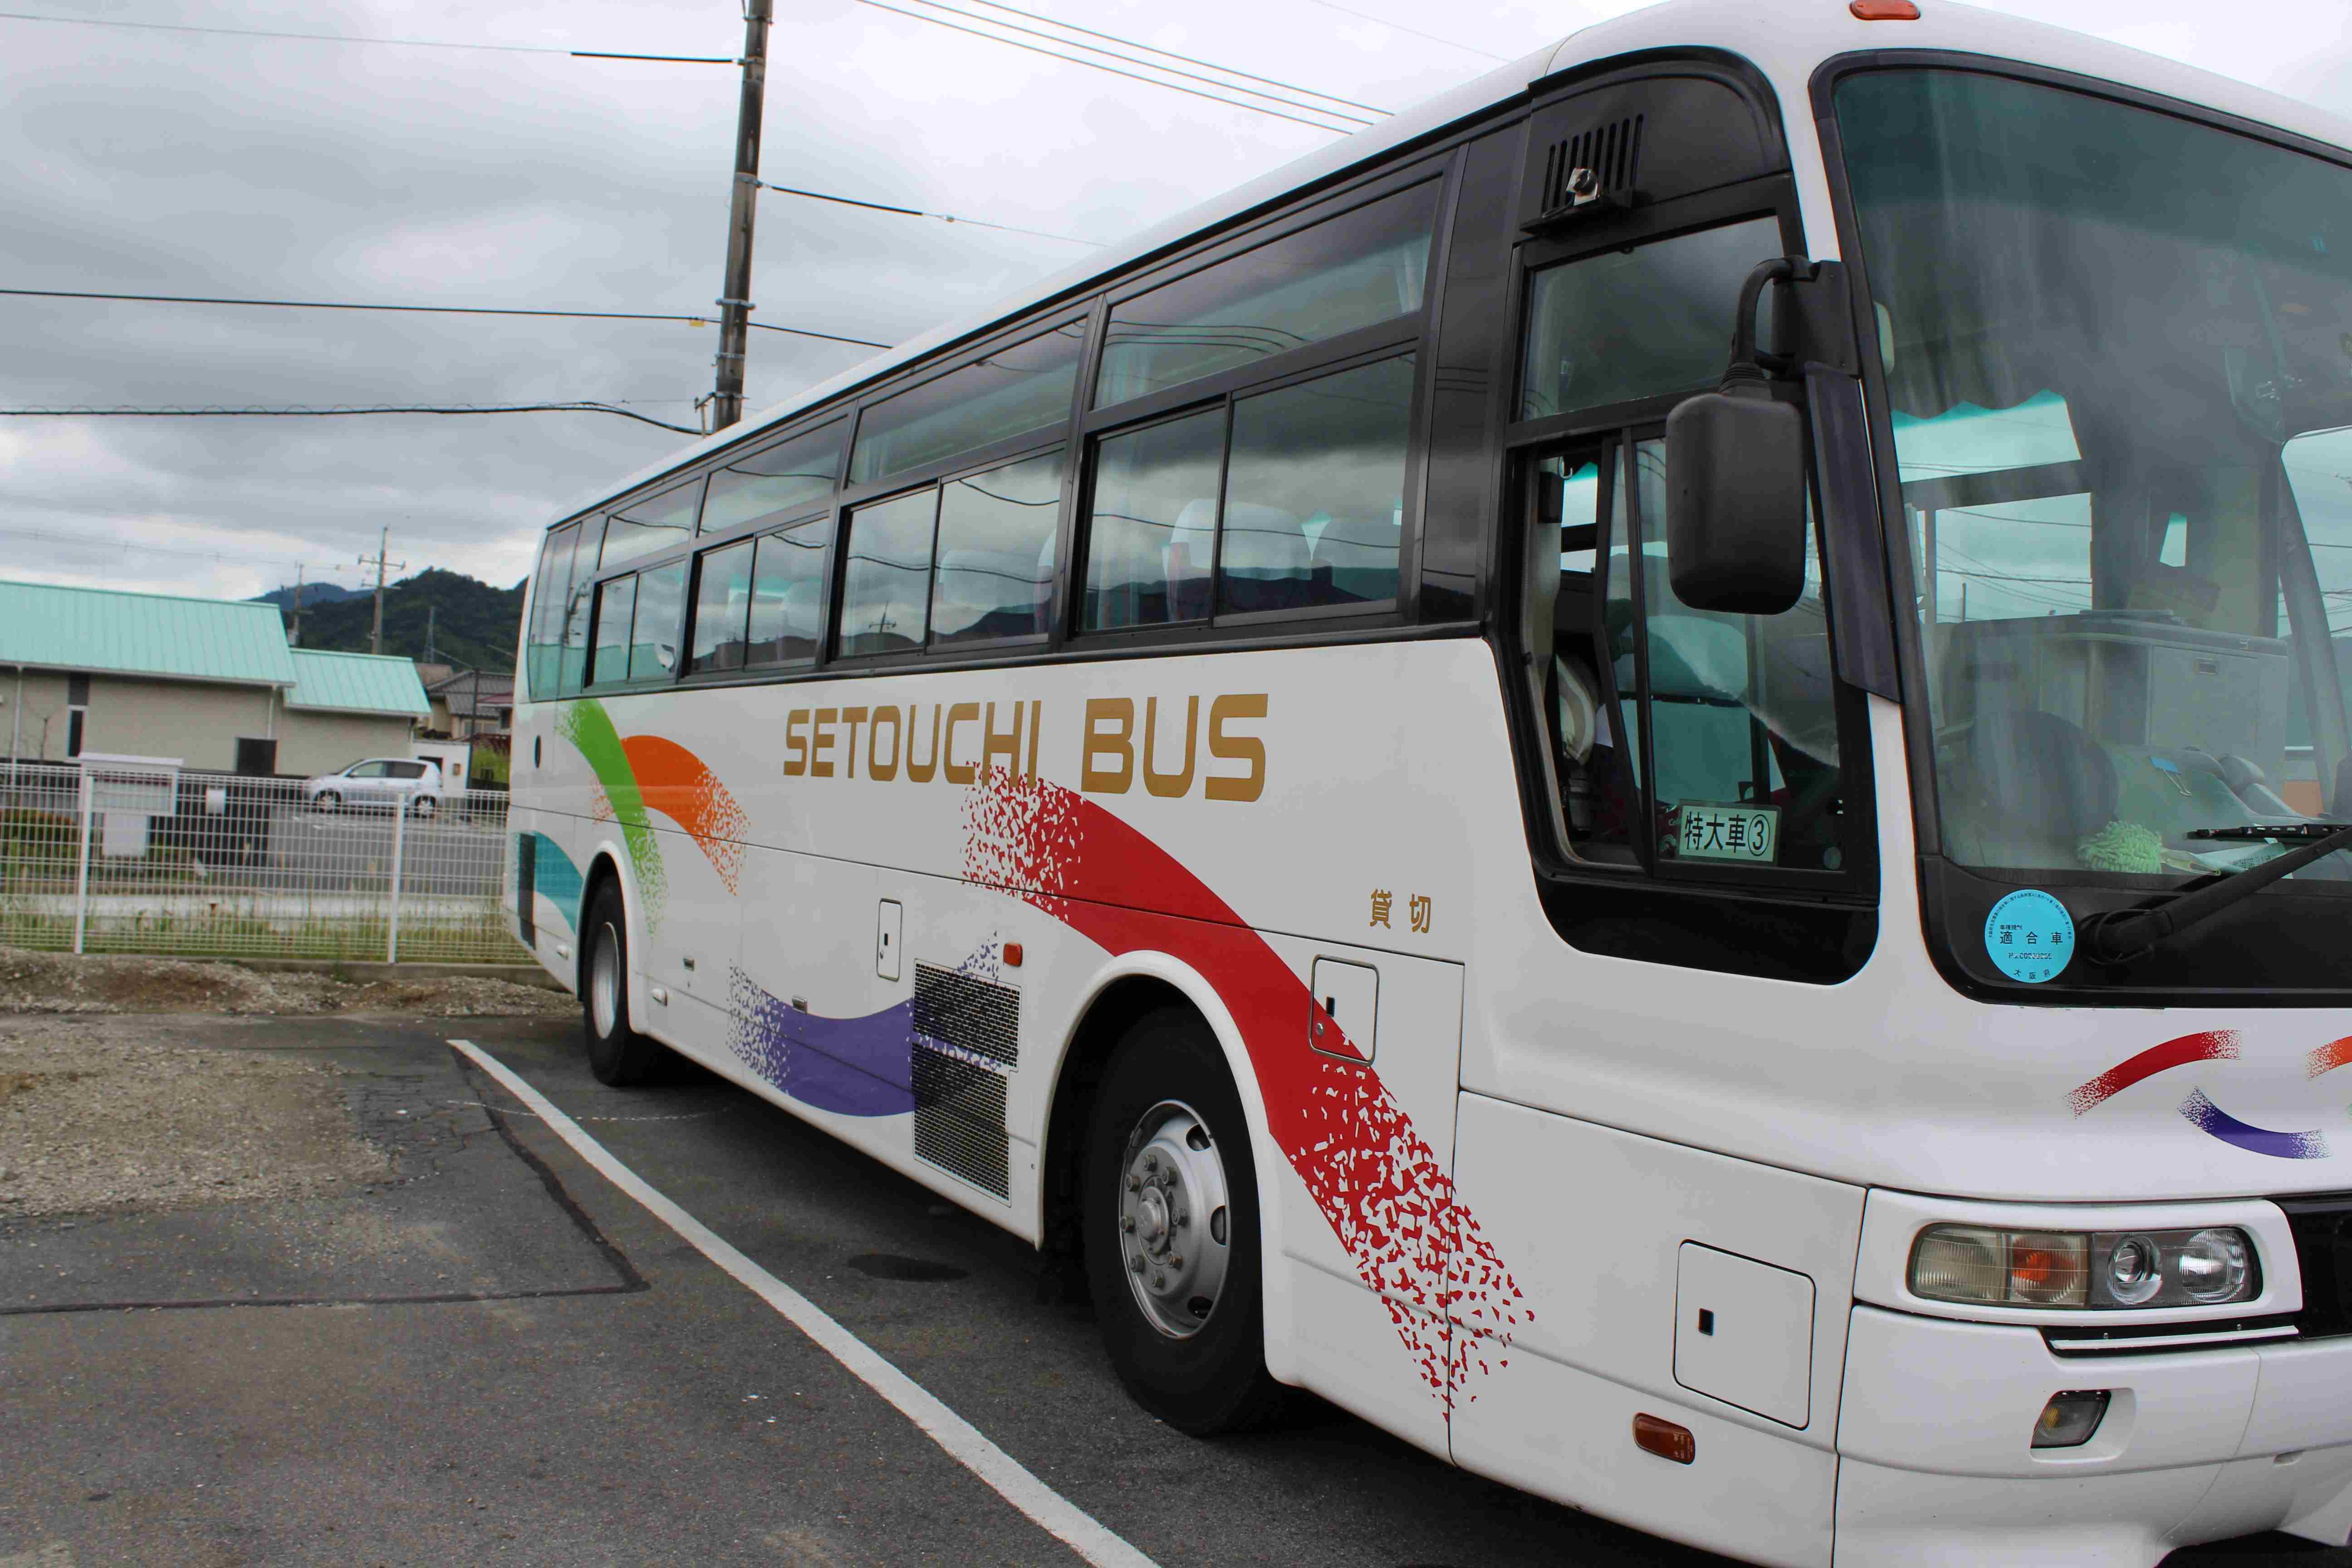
pixel 1171 1236
pixel 617 1054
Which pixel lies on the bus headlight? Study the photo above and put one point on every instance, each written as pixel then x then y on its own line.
pixel 2212 1266
pixel 2108 1269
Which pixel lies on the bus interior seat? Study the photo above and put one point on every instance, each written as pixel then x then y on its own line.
pixel 2036 785
pixel 1266 562
pixel 1355 556
pixel 1188 555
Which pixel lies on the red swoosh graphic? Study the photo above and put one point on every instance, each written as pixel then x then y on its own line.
pixel 2212 1044
pixel 677 784
pixel 2329 1057
pixel 1377 1182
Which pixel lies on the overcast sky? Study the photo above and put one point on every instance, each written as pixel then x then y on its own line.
pixel 166 163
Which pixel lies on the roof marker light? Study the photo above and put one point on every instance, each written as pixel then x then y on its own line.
pixel 1884 10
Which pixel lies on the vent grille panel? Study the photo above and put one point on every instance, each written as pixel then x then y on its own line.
pixel 972 1016
pixel 967 1042
pixel 1611 150
pixel 959 1120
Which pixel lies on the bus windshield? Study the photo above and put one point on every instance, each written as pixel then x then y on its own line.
pixel 2118 351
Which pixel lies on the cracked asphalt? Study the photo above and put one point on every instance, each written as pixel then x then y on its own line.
pixel 484 1352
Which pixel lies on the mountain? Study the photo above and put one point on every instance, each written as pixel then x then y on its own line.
pixel 474 625
pixel 313 594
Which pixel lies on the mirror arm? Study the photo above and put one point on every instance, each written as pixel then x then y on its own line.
pixel 1749 374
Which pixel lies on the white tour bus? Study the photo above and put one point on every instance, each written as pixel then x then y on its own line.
pixel 1641 773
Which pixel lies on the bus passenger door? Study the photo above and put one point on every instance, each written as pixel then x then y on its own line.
pixel 1370 1138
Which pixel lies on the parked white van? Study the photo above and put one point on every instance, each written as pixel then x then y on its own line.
pixel 379 782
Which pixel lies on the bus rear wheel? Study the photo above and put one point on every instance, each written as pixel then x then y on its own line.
pixel 617 1054
pixel 1172 1244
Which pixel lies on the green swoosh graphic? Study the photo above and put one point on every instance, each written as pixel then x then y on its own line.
pixel 587 726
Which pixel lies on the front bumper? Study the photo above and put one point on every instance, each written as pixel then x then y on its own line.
pixel 1936 1466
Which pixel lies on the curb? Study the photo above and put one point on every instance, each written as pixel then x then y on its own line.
pixel 357 971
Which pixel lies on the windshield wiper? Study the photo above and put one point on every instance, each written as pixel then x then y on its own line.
pixel 2118 936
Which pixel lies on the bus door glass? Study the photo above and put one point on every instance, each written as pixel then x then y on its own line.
pixel 1681 739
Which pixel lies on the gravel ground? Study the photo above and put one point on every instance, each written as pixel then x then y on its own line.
pixel 99 1114
pixel 61 982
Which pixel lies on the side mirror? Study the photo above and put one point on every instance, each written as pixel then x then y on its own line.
pixel 1736 504
pixel 1736 481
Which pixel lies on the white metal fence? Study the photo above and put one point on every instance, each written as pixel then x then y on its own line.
pixel 100 859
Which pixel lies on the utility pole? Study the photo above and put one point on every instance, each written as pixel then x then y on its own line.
pixel 735 301
pixel 296 640
pixel 375 639
pixel 431 616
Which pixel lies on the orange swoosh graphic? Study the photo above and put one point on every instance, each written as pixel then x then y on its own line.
pixel 678 784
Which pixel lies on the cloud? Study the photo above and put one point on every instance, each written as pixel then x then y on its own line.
pixel 161 163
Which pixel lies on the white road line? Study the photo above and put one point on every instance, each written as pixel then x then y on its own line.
pixel 1055 1514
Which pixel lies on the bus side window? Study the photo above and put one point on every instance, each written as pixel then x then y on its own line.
pixel 1151 534
pixel 1596 765
pixel 661 608
pixel 997 533
pixel 722 604
pixel 1316 482
pixel 616 603
pixel 1741 713
pixel 572 660
pixel 886 592
pixel 788 594
pixel 549 590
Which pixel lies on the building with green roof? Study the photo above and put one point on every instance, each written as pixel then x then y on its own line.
pixel 210 681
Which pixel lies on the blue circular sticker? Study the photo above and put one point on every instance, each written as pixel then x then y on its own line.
pixel 2029 936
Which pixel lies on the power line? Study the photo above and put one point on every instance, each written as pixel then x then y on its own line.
pixel 1114 70
pixel 1452 43
pixel 422 309
pixel 83 541
pixel 344 411
pixel 1155 65
pixel 1171 54
pixel 346 39
pixel 1399 27
pixel 915 212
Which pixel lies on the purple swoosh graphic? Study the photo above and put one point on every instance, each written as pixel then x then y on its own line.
pixel 852 1067
pixel 2212 1119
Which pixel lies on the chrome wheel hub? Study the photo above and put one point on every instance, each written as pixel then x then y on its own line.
pixel 1174 1219
pixel 604 981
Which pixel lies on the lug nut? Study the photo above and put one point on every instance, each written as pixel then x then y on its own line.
pixel 1160 1282
pixel 1175 1260
pixel 1151 1162
pixel 1135 1266
pixel 1183 1219
pixel 1135 1184
pixel 1127 1221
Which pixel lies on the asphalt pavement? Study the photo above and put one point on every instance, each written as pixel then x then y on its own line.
pixel 494 1354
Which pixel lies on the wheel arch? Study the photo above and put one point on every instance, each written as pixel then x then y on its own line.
pixel 1122 991
pixel 606 863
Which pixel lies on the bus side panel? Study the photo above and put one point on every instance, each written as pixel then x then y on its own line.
pixel 1344 1331
pixel 1621 1241
pixel 544 841
pixel 686 951
pixel 816 1026
pixel 982 1035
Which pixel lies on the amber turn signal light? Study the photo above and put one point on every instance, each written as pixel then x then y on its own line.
pixel 1884 10
pixel 1663 1438
pixel 1011 955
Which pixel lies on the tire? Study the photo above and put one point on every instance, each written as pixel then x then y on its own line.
pixel 426 805
pixel 1186 1333
pixel 327 800
pixel 617 1054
